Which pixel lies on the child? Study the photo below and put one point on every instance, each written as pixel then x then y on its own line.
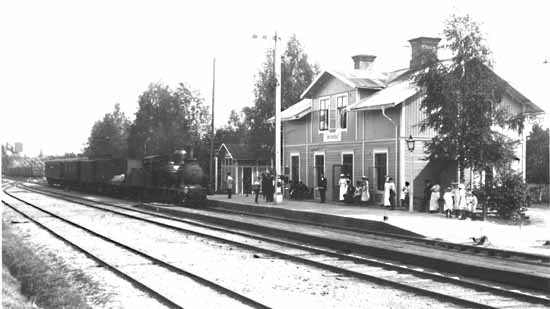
pixel 448 206
pixel 471 203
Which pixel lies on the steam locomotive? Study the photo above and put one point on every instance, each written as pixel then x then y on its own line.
pixel 175 179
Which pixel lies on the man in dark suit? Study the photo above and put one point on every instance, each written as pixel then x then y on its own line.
pixel 322 187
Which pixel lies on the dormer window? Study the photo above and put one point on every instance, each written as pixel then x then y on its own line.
pixel 323 114
pixel 341 113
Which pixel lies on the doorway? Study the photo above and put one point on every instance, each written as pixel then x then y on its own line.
pixel 380 170
pixel 247 180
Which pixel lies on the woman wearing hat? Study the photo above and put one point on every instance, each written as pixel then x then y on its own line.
pixel 389 193
pixel 365 195
pixel 343 183
pixel 434 198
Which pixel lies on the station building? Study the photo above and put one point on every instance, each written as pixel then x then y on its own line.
pixel 357 122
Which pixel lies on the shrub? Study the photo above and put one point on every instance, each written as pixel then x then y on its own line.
pixel 507 195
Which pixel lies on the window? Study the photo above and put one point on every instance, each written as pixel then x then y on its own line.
pixel 341 104
pixel 347 165
pixel 323 114
pixel 295 167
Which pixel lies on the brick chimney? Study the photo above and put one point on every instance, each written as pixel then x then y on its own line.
pixel 363 62
pixel 423 51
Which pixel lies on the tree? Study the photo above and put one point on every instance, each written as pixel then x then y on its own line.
pixel 109 136
pixel 234 131
pixel 297 74
pixel 463 103
pixel 538 155
pixel 167 120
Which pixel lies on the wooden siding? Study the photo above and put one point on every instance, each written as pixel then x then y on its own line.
pixel 331 87
pixel 377 126
pixel 414 117
pixel 294 131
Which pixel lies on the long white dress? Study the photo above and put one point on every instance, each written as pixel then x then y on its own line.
pixel 365 192
pixel 387 187
pixel 434 201
pixel 343 187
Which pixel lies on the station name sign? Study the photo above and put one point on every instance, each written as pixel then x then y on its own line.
pixel 335 136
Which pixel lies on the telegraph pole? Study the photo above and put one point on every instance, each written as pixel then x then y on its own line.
pixel 277 71
pixel 213 132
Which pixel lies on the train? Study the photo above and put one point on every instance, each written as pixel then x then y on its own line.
pixel 25 168
pixel 175 179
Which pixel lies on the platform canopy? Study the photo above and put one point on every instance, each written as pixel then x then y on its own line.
pixel 294 112
pixel 394 94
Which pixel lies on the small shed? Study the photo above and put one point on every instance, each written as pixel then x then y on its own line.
pixel 243 164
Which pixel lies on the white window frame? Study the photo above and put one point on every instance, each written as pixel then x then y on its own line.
pixel 294 154
pixel 345 106
pixel 327 98
pixel 320 153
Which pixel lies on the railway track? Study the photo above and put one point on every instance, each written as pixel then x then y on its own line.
pixel 212 294
pixel 447 287
pixel 517 256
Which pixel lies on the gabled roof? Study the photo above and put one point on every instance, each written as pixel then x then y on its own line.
pixel 363 79
pixel 393 88
pixel 294 112
pixel 240 152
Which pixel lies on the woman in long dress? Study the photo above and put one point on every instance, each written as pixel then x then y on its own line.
pixel 365 196
pixel 387 192
pixel 434 199
pixel 343 183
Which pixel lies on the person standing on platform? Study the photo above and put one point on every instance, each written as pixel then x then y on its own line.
pixel 343 184
pixel 256 189
pixel 471 201
pixel 427 195
pixel 392 194
pixel 405 195
pixel 448 205
pixel 271 187
pixel 434 198
pixel 322 187
pixel 456 198
pixel 388 185
pixel 229 184
pixel 365 195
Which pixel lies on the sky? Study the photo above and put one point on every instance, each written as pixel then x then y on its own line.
pixel 64 64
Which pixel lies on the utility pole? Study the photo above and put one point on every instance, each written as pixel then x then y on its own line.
pixel 212 132
pixel 277 70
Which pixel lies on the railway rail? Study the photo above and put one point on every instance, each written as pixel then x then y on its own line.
pixel 522 273
pixel 447 287
pixel 523 257
pixel 129 253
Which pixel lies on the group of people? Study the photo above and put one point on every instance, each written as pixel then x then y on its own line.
pixel 264 183
pixel 390 194
pixel 349 193
pixel 457 200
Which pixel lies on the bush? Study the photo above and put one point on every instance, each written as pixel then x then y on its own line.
pixel 507 195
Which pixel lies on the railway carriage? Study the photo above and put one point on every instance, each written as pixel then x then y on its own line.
pixel 171 179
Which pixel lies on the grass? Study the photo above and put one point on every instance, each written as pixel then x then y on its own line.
pixel 48 284
pixel 11 292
